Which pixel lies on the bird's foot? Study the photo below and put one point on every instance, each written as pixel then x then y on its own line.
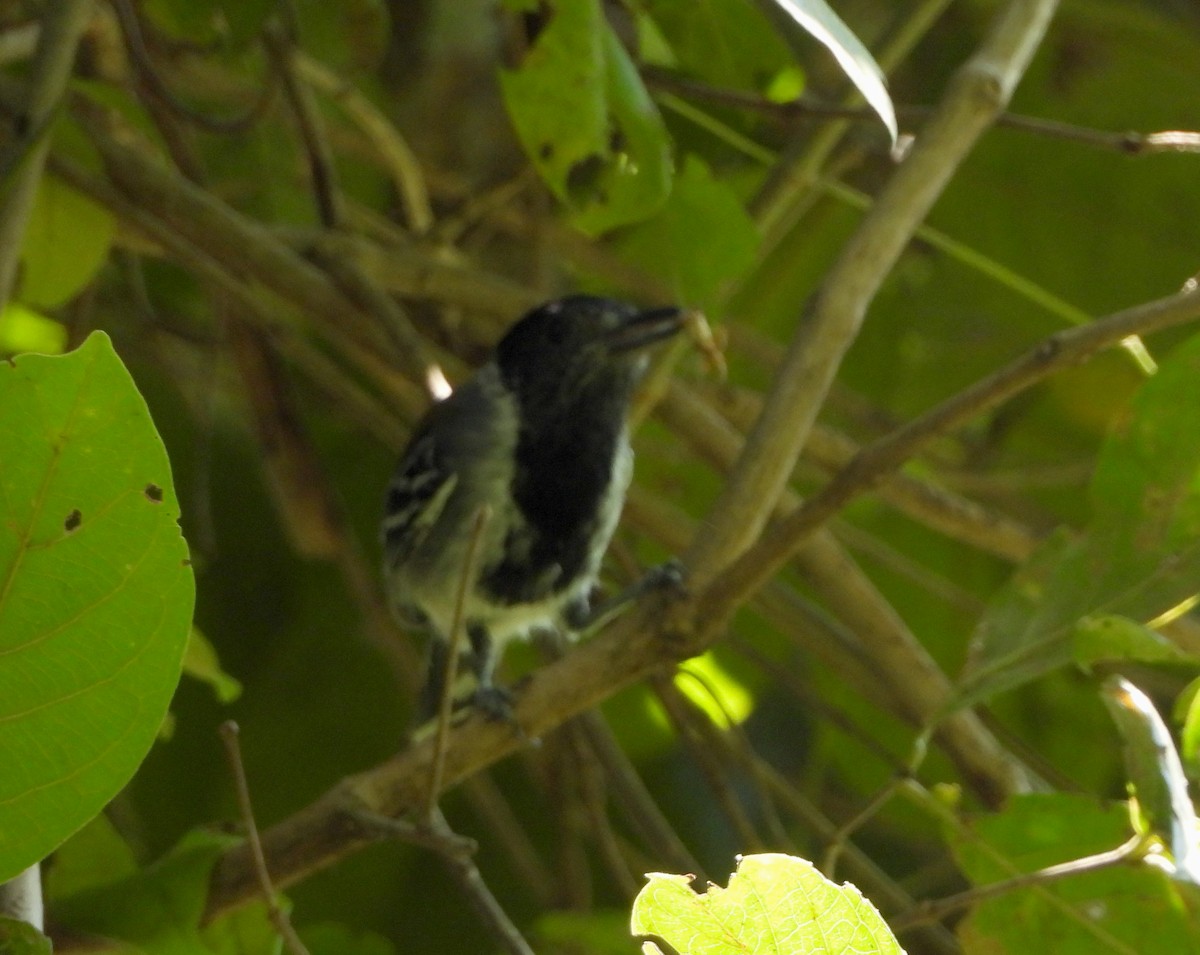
pixel 495 703
pixel 669 575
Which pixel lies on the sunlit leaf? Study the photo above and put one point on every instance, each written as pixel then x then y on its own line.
pixel 774 905
pixel 24 330
pixel 95 592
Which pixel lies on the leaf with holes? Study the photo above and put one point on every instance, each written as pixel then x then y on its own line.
pixel 96 592
pixel 584 117
pixel 775 904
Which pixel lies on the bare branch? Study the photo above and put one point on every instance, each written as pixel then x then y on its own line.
pixel 979 91
pixel 878 460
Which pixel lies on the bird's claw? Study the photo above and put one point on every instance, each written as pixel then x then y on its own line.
pixel 495 703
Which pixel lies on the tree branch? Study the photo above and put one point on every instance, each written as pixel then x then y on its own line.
pixel 877 461
pixel 979 91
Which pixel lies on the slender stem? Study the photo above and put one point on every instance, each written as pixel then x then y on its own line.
pixel 229 736
pixel 924 913
pixel 880 459
pixel 446 703
pixel 974 97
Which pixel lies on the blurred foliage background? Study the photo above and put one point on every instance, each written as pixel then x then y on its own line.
pixel 376 143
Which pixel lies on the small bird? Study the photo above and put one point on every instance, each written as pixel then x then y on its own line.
pixel 538 437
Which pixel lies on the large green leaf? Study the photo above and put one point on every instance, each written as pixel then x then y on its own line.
pixel 586 121
pixel 775 905
pixel 1138 558
pixel 1125 909
pixel 96 592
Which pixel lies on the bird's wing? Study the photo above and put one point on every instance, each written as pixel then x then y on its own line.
pixel 416 498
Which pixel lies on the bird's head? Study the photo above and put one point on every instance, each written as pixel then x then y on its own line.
pixel 581 346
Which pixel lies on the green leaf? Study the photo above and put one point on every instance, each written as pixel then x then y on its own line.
pixel 699 241
pixel 586 121
pixel 1155 775
pixel 725 42
pixel 96 592
pixel 1126 909
pixel 774 904
pixel 21 938
pixel 157 909
pixel 1109 637
pixel 65 244
pixel 1139 558
pixel 200 662
pixel 22 329
pixel 96 855
pixel 818 19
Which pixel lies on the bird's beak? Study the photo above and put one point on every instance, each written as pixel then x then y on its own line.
pixel 645 328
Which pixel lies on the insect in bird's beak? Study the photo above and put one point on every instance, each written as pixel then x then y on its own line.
pixel 645 328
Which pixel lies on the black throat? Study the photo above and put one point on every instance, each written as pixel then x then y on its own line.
pixel 564 465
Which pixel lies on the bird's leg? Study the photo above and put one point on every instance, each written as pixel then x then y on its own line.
pixel 581 617
pixel 495 702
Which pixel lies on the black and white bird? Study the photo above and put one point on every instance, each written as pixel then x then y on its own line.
pixel 539 436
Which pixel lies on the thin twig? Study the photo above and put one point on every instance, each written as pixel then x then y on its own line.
pixel 807 109
pixel 283 925
pixel 974 97
pixel 917 684
pixel 841 838
pixel 454 638
pixel 398 157
pixel 322 171
pixel 435 833
pixel 694 728
pixel 638 804
pixel 924 913
pixel 492 808
pixel 152 81
pixel 878 460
